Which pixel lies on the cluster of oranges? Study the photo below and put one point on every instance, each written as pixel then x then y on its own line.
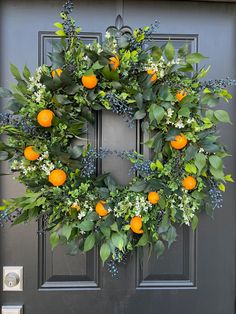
pixel 91 81
pixel 58 177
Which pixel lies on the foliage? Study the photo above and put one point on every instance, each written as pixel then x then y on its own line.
pixel 144 86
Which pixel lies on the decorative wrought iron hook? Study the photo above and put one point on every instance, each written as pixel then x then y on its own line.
pixel 119 27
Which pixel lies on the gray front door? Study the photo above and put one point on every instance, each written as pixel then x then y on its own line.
pixel 195 276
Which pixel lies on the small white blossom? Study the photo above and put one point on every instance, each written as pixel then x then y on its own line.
pixel 108 35
pixel 190 120
pixel 179 124
pixel 170 112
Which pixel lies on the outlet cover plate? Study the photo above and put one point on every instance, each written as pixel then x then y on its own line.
pixel 13 269
pixel 14 309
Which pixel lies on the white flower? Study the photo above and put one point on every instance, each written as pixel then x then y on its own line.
pixel 190 120
pixel 81 214
pixel 161 73
pixel 201 150
pixel 108 35
pixel 170 112
pixel 168 121
pixel 179 124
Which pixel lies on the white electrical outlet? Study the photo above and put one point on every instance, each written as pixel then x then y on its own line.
pixel 13 278
pixel 14 309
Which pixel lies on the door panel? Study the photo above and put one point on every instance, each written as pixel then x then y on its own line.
pixel 196 275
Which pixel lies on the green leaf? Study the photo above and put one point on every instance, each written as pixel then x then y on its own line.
pixel 97 66
pixel 203 72
pixel 110 183
pixel 26 73
pixel 62 99
pixel 117 241
pixel 194 222
pixel 222 116
pixel 5 92
pixel 54 239
pixel 160 248
pixel 89 242
pixel 159 165
pixel 105 252
pixel 210 100
pixel 229 178
pixel 116 85
pixel 221 186
pixel 66 231
pixel 58 25
pixel 169 51
pixel 156 53
pixel 209 146
pixel 140 114
pixel 183 51
pixel 106 231
pixel 217 173
pixel 171 235
pixel 103 193
pixel 61 33
pixel 143 240
pixel 138 186
pixel 4 155
pixel 72 248
pixel 75 151
pixel 15 72
pixel 86 225
pixel 164 226
pixel 114 227
pixel 156 113
pixel 164 92
pixel 139 100
pixel 184 112
pixel 190 168
pixel 195 57
pixel 200 161
pixel 215 161
pixel 186 68
pixel 22 218
pixel 171 134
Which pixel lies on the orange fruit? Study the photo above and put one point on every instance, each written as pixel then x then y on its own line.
pixel 89 81
pixel 100 209
pixel 136 224
pixel 179 142
pixel 75 206
pixel 57 177
pixel 56 72
pixel 45 117
pixel 189 183
pixel 153 197
pixel 180 95
pixel 30 154
pixel 154 75
pixel 114 62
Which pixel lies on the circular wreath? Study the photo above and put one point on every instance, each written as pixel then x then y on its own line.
pixel 46 125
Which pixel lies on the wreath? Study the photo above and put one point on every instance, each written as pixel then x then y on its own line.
pixel 46 126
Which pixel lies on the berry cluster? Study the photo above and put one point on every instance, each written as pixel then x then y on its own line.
pixel 139 166
pixel 148 36
pixel 216 84
pixel 7 216
pixel 68 7
pixel 120 107
pixel 215 195
pixel 89 161
pixel 17 122
pixel 116 260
